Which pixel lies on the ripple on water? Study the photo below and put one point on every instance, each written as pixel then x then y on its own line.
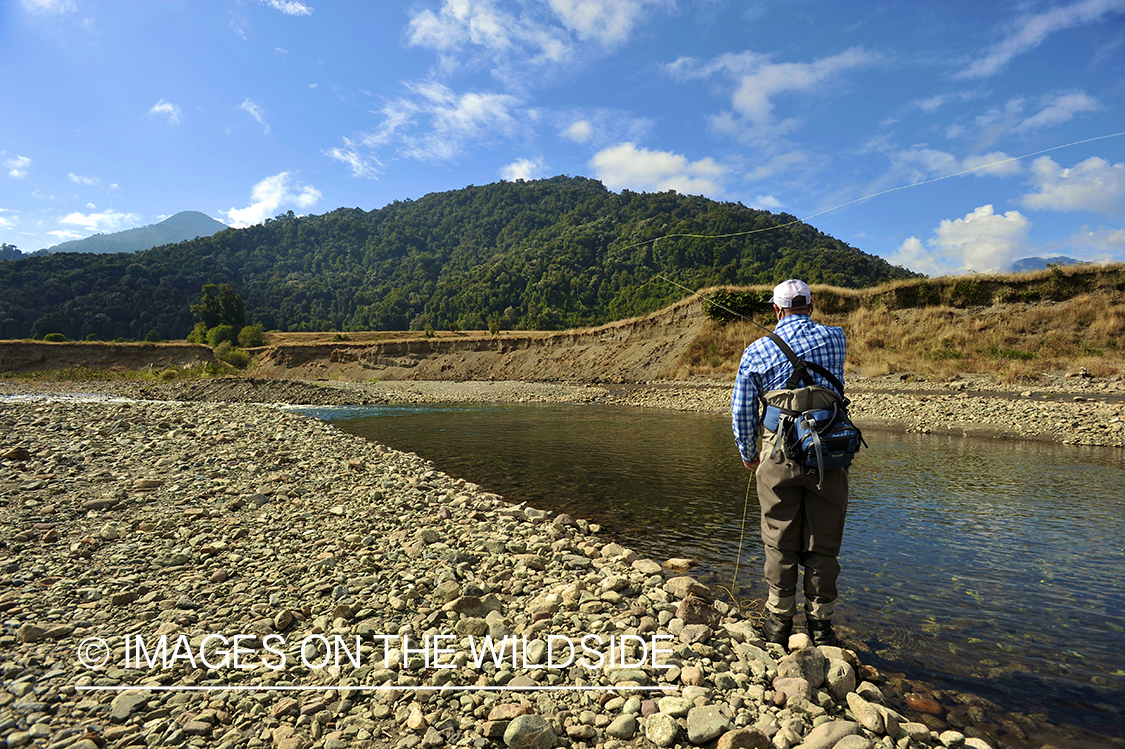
pixel 994 566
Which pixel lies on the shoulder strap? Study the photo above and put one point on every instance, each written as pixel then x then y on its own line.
pixel 801 367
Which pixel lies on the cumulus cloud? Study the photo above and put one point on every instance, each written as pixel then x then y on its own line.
pixel 1093 185
pixel 167 109
pixel 256 112
pixel 104 221
pixel 759 82
pixel 523 169
pixel 1029 31
pixel 358 163
pixel 17 167
pixel 436 123
pixel 289 7
pixel 981 241
pixel 626 166
pixel 270 195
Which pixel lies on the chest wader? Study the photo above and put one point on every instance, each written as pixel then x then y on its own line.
pixel 802 489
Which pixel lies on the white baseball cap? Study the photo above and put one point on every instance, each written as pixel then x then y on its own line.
pixel 792 293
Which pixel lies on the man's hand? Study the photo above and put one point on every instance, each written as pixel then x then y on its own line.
pixel 752 464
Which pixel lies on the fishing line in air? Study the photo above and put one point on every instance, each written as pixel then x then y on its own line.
pixel 979 167
pixel 738 559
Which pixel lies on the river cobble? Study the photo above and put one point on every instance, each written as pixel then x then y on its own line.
pixel 258 543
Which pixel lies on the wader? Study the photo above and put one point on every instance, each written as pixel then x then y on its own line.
pixel 801 526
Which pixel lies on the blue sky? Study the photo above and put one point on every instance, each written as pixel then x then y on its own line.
pixel 119 113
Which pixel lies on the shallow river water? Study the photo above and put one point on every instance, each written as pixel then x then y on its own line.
pixel 990 567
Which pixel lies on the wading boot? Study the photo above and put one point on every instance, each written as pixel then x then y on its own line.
pixel 820 631
pixel 777 629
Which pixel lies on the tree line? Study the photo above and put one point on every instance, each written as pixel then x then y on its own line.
pixel 546 254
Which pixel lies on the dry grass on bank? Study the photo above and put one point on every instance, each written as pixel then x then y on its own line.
pixel 1007 336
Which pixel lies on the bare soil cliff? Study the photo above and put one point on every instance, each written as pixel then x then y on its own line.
pixel 636 350
pixel 21 357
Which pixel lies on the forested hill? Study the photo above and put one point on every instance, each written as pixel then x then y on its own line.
pixel 547 254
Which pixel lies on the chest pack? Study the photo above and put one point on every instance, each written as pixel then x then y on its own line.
pixel 809 422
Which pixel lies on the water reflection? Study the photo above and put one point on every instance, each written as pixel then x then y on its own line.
pixel 988 566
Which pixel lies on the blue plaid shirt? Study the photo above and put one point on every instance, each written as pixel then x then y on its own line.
pixel 765 367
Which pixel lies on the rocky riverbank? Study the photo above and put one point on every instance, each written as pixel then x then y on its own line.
pixel 316 590
pixel 1067 409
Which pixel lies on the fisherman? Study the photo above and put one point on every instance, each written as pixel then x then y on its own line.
pixel 802 525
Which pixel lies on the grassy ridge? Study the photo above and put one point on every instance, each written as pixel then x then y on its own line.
pixel 1015 326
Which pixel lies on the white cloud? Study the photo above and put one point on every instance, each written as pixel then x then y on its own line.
pixel 1029 31
pixel 269 196
pixel 109 220
pixel 1057 109
pixel 981 241
pixel 1093 185
pixel 608 21
pixel 759 82
pixel 167 109
pixel 360 165
pixel 50 6
pixel 598 127
pixel 934 103
pixel 995 164
pixel 255 111
pixel 627 167
pixel 920 163
pixel 1104 244
pixel 766 203
pixel 436 123
pixel 88 181
pixel 778 164
pixel 1023 117
pixel 579 132
pixel 502 37
pixel 289 7
pixel 17 167
pixel 523 169
pixel 65 235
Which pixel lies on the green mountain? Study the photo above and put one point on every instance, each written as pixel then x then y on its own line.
pixel 184 225
pixel 547 254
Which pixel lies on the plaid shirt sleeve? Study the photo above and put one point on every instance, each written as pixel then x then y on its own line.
pixel 764 367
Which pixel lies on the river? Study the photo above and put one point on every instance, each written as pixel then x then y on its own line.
pixel 990 567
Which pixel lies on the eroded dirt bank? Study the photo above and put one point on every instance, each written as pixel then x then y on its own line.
pixel 22 357
pixel 635 350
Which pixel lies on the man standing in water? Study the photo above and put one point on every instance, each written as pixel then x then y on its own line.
pixel 802 525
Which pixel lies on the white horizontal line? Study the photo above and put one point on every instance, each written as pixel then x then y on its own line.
pixel 358 688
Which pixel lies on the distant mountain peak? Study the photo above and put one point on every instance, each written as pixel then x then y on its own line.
pixel 1024 265
pixel 183 225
